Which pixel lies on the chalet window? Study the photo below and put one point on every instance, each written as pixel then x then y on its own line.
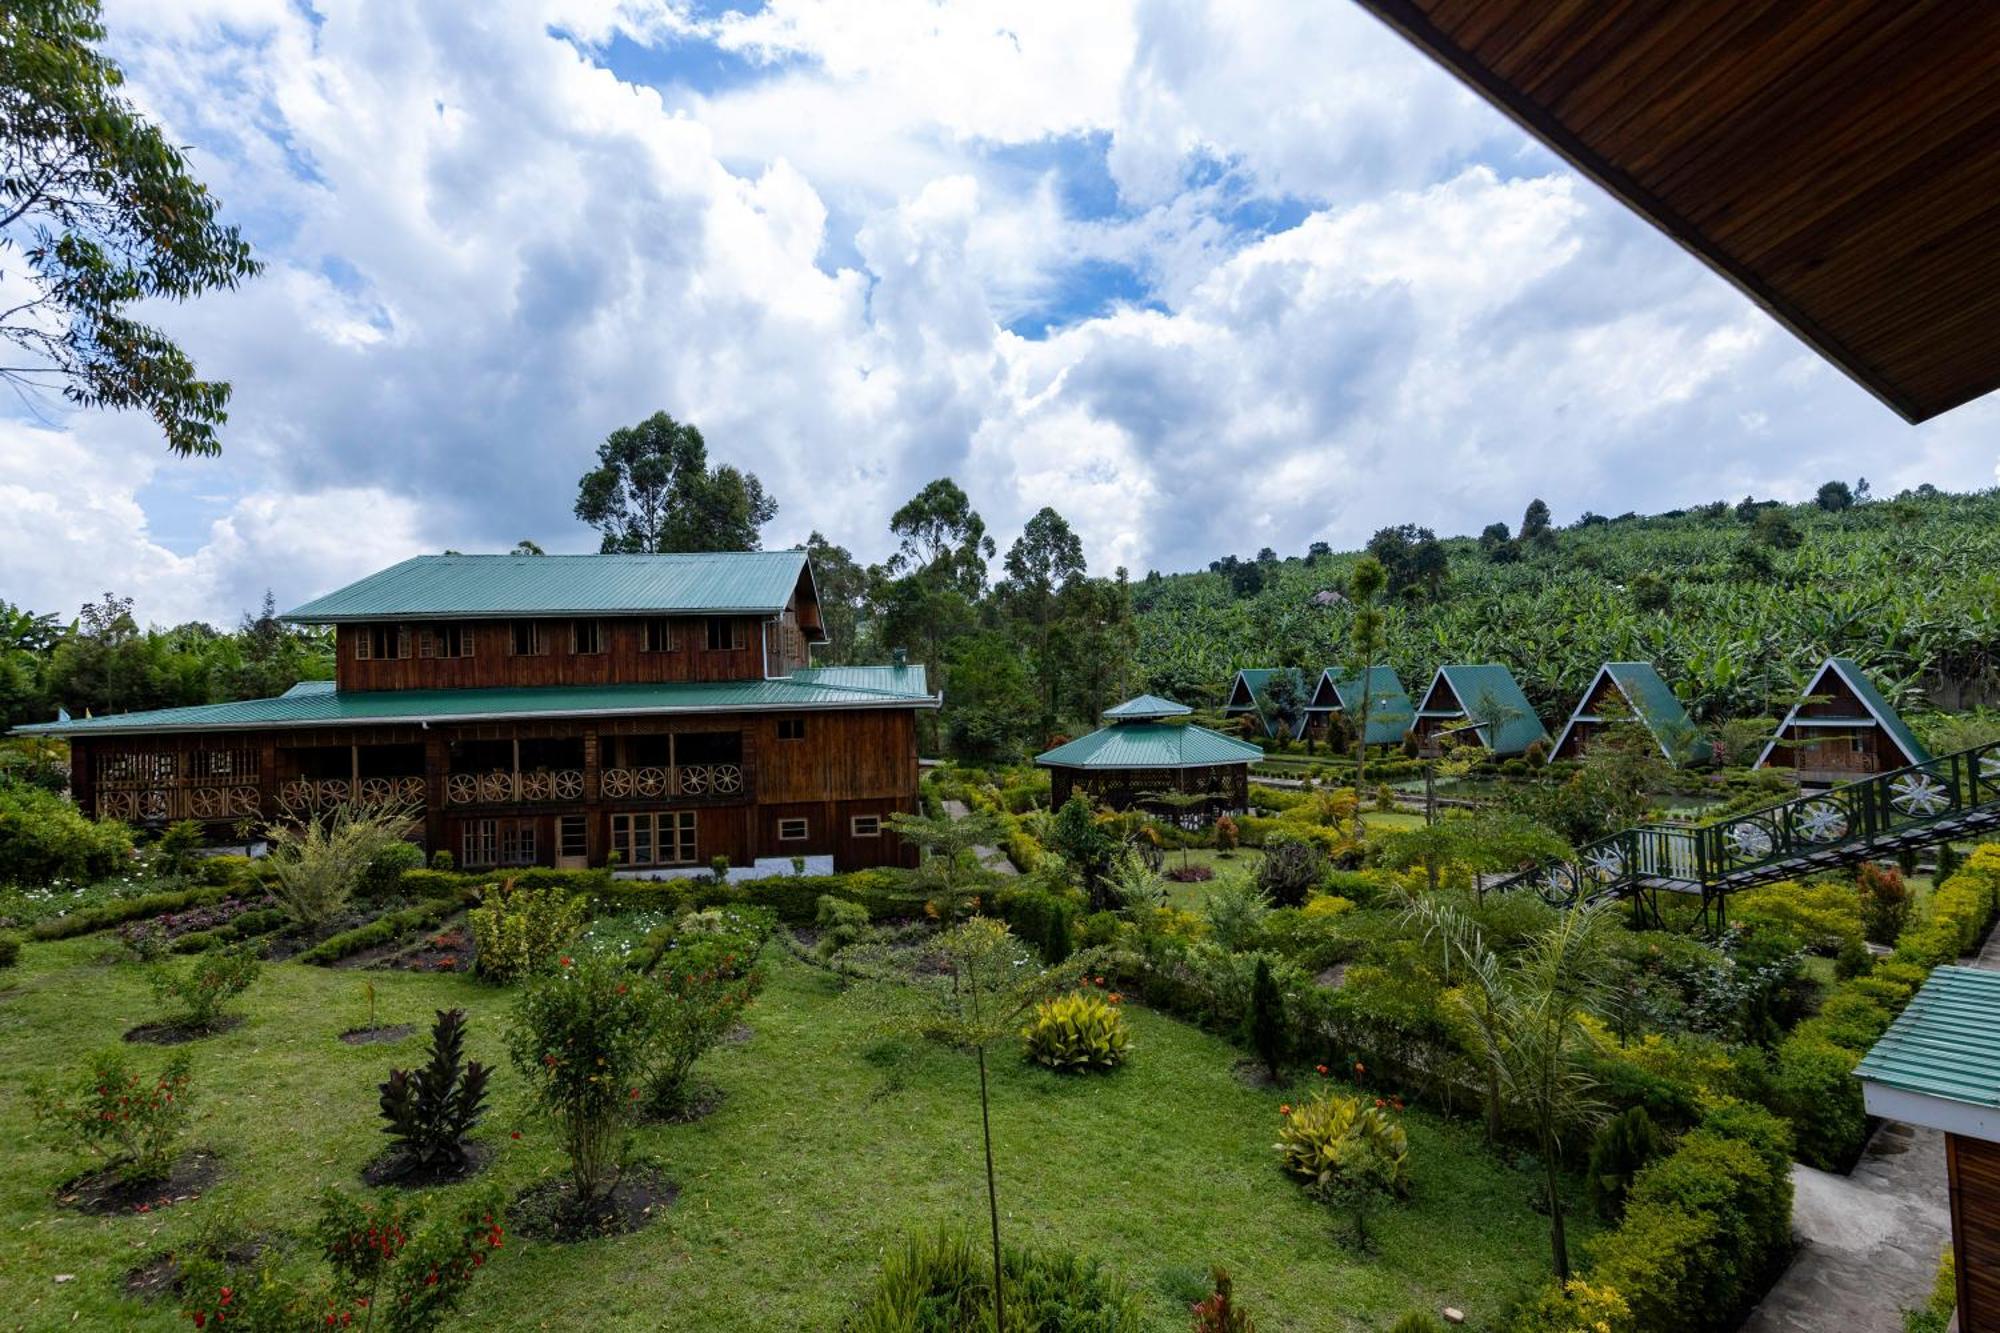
pixel 528 639
pixel 791 728
pixel 517 842
pixel 724 634
pixel 659 636
pixel 655 839
pixel 445 641
pixel 384 643
pixel 865 826
pixel 570 839
pixel 793 830
pixel 479 842
pixel 586 637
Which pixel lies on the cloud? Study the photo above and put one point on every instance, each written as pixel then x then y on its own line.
pixel 1203 277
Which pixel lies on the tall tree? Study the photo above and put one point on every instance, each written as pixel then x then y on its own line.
pixel 653 490
pixel 1041 565
pixel 843 594
pixel 1366 642
pixel 938 572
pixel 104 213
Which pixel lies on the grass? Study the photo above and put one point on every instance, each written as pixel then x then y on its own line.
pixel 830 1143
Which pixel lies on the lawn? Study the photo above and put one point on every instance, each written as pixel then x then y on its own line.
pixel 831 1141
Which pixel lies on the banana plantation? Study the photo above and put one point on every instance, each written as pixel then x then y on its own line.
pixel 1736 605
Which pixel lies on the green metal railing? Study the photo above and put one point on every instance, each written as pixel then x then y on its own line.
pixel 1952 796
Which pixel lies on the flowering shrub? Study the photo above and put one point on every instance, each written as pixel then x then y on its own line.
pixel 580 1039
pixel 134 1121
pixel 691 1001
pixel 522 931
pixel 1078 1033
pixel 150 938
pixel 1227 835
pixel 1348 1153
pixel 1219 1312
pixel 387 1270
pixel 194 992
pixel 430 1110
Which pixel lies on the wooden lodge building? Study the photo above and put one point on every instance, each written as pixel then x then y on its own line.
pixel 551 710
pixel 1841 730
pixel 1482 703
pixel 1633 691
pixel 1147 745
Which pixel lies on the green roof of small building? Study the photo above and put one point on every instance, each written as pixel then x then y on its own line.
pixel 1252 681
pixel 1146 706
pixel 1490 699
pixel 1945 1043
pixel 1164 745
pixel 1653 703
pixel 808 688
pixel 1389 710
pixel 1892 722
pixel 493 586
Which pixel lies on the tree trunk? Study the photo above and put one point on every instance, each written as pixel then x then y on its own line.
pixel 993 1199
pixel 1557 1242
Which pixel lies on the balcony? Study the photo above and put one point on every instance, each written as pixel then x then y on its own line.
pixel 304 796
pixel 668 783
pixel 502 787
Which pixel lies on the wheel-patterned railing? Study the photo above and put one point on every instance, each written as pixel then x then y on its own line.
pixel 298 797
pixel 663 783
pixel 1948 795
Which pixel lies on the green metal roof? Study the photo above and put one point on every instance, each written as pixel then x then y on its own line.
pixel 1653 702
pixel 1247 691
pixel 491 586
pixel 1864 690
pixel 1491 699
pixel 1146 706
pixel 817 687
pixel 1151 745
pixel 1946 1043
pixel 1389 710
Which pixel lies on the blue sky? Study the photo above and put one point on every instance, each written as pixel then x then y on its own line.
pixel 1204 276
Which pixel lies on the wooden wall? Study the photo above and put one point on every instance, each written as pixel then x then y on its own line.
pixel 493 664
pixel 1973 1167
pixel 848 755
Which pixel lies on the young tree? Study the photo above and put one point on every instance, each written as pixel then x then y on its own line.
pixel 1266 1018
pixel 1283 702
pixel 653 490
pixel 947 845
pixel 1367 642
pixel 103 214
pixel 1525 1016
pixel 1835 496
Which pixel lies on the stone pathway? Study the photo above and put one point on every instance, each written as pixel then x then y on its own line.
pixel 991 857
pixel 1869 1241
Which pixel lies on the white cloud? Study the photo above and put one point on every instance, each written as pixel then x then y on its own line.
pixel 487 251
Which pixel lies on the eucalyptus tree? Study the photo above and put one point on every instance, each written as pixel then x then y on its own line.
pixel 654 491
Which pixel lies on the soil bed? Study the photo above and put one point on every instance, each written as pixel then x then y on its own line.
pixel 377 1036
pixel 161 1275
pixel 100 1193
pixel 548 1211
pixel 179 1034
pixel 701 1101
pixel 392 1168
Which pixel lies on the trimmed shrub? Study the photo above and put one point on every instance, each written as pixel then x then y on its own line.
pixel 1264 1023
pixel 45 838
pixel 943 1283
pixel 1623 1146
pixel 841 923
pixel 1825 918
pixel 383 874
pixel 1077 1033
pixel 1814 1088
pixel 1348 1154
pixel 521 931
pixel 384 929
pixel 1579 1307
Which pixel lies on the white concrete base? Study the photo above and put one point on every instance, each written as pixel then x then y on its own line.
pixel 765 867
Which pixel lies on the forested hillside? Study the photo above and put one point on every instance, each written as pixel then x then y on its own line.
pixel 1736 603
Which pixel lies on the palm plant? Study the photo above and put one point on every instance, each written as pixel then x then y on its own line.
pixel 1525 1016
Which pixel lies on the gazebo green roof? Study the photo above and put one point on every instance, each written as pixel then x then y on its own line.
pixel 1146 706
pixel 1939 1062
pixel 1161 745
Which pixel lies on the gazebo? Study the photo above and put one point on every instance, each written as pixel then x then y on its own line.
pixel 1147 745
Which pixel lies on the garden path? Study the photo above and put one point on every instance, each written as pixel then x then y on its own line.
pixel 1868 1241
pixel 991 857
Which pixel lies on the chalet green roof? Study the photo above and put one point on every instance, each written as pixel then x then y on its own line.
pixel 810 688
pixel 1163 745
pixel 493 586
pixel 1146 706
pixel 1491 699
pixel 1946 1042
pixel 1653 703
pixel 1871 698
pixel 1389 710
pixel 1246 693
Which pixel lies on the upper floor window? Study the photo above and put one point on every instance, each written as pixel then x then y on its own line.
pixel 791 728
pixel 382 642
pixel 586 636
pixel 528 638
pixel 445 641
pixel 659 635
pixel 724 634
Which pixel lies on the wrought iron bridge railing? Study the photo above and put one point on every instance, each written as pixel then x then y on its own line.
pixel 1956 795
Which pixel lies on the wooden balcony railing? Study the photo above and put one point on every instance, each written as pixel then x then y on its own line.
pixel 301 796
pixel 179 802
pixel 662 783
pixel 501 786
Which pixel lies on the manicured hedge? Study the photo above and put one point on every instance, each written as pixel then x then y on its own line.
pixel 384 929
pixel 120 910
pixel 10 948
pixel 248 925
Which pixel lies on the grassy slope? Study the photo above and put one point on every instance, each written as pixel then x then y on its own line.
pixel 830 1143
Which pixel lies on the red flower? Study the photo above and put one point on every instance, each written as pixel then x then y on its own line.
pixel 1379 1103
pixel 1360 1068
pixel 1322 1070
pixel 517 1133
pixel 565 962
pixel 1286 1109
